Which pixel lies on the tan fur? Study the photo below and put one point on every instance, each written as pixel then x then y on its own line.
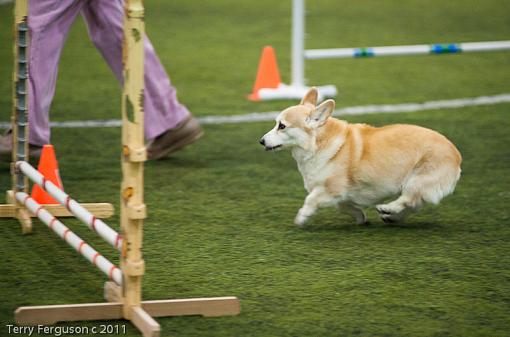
pixel 357 165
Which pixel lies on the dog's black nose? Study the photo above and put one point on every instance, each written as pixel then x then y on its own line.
pixel 261 141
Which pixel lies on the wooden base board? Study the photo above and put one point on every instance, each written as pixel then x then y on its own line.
pixel 25 220
pixel 112 292
pixel 22 214
pixel 142 317
pixel 145 323
pixel 51 314
pixel 100 210
pixel 207 307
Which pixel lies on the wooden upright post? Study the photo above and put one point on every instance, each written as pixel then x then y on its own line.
pixel 127 301
pixel 20 127
pixel 132 211
pixel 19 118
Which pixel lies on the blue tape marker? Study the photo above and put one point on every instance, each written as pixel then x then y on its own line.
pixel 437 49
pixel 453 48
pixel 363 52
pixel 445 48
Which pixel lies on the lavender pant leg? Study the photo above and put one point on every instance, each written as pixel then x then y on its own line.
pixel 49 22
pixel 163 111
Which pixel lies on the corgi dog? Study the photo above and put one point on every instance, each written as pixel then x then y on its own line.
pixel 351 166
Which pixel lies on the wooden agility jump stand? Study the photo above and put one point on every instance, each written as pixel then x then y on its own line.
pixel 19 121
pixel 124 290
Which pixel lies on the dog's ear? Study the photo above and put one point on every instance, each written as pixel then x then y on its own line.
pixel 310 97
pixel 321 113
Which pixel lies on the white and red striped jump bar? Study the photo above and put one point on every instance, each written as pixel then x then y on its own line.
pixel 97 225
pixel 113 272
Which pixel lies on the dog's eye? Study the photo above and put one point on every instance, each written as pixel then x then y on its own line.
pixel 281 126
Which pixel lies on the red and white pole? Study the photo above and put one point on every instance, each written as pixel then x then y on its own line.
pixel 113 272
pixel 97 225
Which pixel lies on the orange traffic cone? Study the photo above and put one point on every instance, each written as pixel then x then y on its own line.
pixel 48 167
pixel 268 75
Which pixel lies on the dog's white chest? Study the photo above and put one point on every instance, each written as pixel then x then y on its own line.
pixel 315 171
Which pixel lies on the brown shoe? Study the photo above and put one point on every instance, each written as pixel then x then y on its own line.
pixel 185 133
pixel 6 147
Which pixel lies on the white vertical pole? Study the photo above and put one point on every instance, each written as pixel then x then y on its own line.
pixel 298 43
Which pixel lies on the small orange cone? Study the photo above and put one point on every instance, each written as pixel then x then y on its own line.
pixel 48 167
pixel 268 75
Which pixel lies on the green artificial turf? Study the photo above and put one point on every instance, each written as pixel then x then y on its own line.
pixel 220 223
pixel 211 50
pixel 221 211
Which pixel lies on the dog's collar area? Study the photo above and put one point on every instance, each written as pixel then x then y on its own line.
pixel 273 147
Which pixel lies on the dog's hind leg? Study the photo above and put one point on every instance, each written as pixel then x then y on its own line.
pixel 398 209
pixel 428 184
pixel 355 212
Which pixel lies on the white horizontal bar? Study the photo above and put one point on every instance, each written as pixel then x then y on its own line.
pixel 375 108
pixel 428 105
pixel 97 225
pixel 112 271
pixel 485 46
pixel 419 49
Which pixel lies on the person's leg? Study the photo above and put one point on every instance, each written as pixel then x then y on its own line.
pixel 49 22
pixel 104 19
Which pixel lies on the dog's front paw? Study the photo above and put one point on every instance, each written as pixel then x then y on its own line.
pixel 300 219
pixel 383 209
pixel 388 218
pixel 387 214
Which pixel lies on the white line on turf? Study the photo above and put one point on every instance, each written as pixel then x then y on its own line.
pixel 268 116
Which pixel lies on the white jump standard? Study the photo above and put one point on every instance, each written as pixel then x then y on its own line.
pixel 125 290
pixel 297 89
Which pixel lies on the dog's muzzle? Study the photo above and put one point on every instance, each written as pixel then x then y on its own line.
pixel 269 148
